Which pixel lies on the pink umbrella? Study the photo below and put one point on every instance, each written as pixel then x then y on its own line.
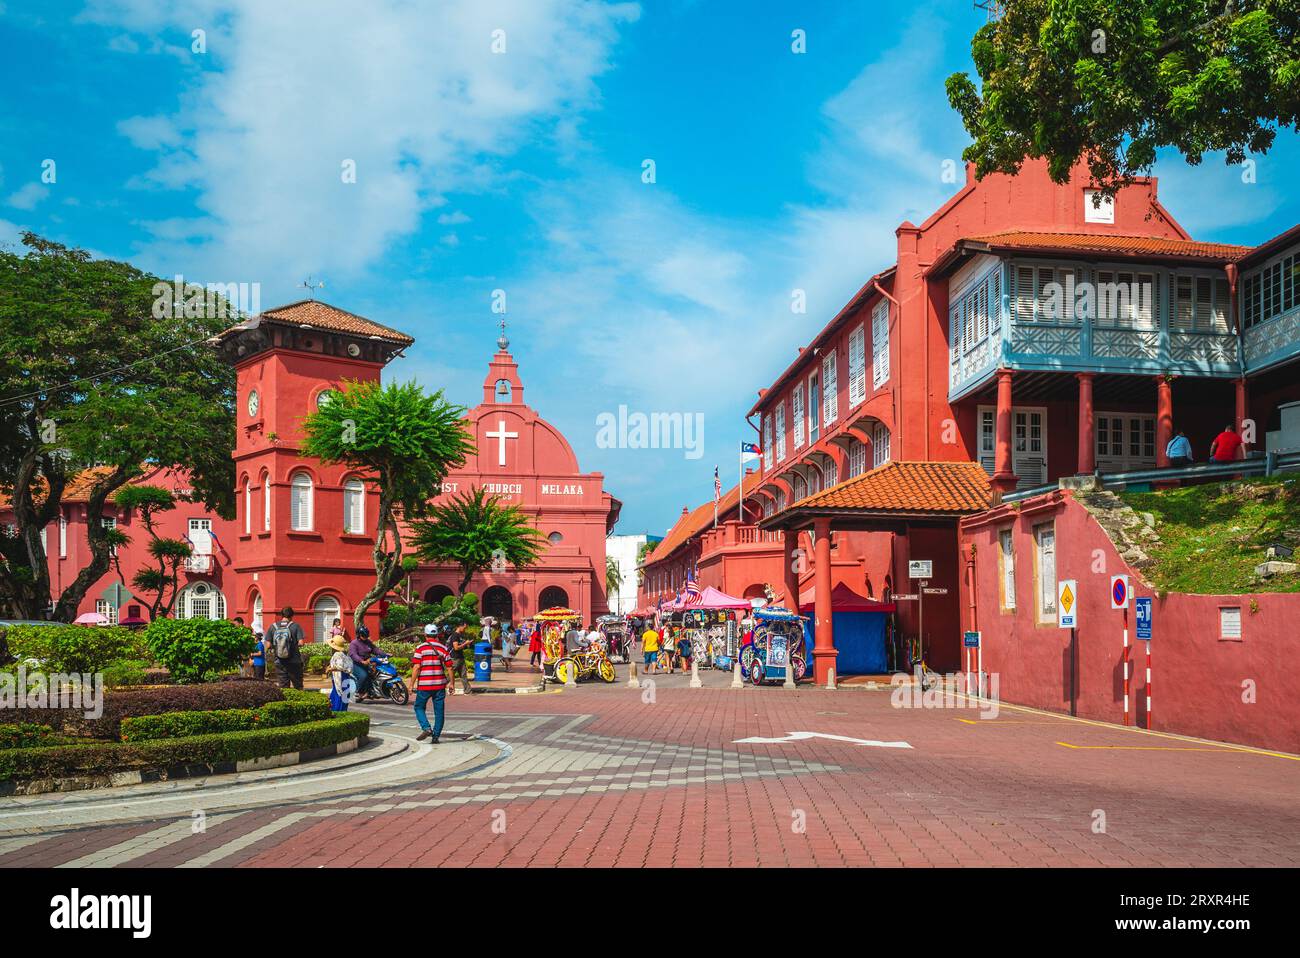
pixel 91 618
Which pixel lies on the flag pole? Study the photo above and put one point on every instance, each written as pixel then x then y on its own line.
pixel 741 466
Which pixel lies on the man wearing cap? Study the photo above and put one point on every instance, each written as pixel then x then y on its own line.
pixel 430 674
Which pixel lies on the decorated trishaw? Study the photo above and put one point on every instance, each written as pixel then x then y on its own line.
pixel 579 664
pixel 777 645
pixel 614 631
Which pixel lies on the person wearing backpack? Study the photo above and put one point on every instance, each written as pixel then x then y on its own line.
pixel 286 636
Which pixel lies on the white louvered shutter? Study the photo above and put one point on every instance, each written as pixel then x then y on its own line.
pixel 880 344
pixel 780 431
pixel 796 411
pixel 830 390
pixel 857 366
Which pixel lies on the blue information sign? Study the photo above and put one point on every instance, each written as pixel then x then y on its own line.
pixel 1143 607
pixel 971 640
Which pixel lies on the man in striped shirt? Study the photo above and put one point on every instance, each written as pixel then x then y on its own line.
pixel 430 674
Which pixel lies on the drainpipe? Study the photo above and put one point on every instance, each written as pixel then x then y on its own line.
pixel 898 416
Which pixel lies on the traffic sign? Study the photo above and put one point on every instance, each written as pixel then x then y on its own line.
pixel 1067 604
pixel 1119 594
pixel 906 597
pixel 920 568
pixel 970 640
pixel 1144 617
pixel 935 591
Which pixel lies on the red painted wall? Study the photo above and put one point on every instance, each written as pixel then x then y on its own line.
pixel 1197 677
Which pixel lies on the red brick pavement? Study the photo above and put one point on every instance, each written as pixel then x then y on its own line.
pixel 971 792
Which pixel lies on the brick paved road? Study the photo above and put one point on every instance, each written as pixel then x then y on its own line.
pixel 602 776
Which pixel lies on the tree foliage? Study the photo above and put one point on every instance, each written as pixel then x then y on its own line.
pixel 193 649
pixel 475 532
pixel 163 579
pixel 1109 82
pixel 402 441
pixel 90 376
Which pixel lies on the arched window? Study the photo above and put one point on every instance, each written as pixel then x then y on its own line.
pixel 354 507
pixel 200 600
pixel 266 502
pixel 879 444
pixel 300 501
pixel 248 506
pixel 800 488
pixel 257 613
pixel 324 612
pixel 857 458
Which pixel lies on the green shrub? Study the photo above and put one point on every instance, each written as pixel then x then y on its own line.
pixel 126 672
pixel 191 648
pixel 145 728
pixel 26 735
pixel 317 664
pixel 73 648
pixel 20 764
pixel 128 702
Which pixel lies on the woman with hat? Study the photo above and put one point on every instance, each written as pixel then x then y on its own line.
pixel 340 674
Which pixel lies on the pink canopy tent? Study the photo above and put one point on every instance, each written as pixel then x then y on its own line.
pixel 712 598
pixel 844 599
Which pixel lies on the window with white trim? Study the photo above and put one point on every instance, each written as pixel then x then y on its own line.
pixel 767 440
pixel 107 609
pixel 1200 304
pixel 857 365
pixel 248 507
pixel 1045 560
pixel 1102 212
pixel 814 409
pixel 830 389
pixel 266 502
pixel 857 458
pixel 354 507
pixel 1126 300
pixel 110 523
pixel 796 414
pixel 324 612
pixel 879 444
pixel 63 536
pixel 880 344
pixel 780 431
pixel 1007 570
pixel 300 502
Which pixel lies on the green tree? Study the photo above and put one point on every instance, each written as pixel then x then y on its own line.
pixel 474 532
pixel 90 375
pixel 402 441
pixel 194 649
pixel 613 576
pixel 163 580
pixel 1110 82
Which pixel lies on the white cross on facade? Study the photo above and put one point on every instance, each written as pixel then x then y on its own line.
pixel 501 436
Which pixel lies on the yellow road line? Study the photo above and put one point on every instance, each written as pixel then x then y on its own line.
pixel 988 722
pixel 1030 710
pixel 1152 748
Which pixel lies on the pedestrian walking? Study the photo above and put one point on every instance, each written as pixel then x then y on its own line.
pixel 462 655
pixel 257 659
pixel 535 648
pixel 342 684
pixel 1226 445
pixel 1179 451
pixel 650 649
pixel 431 665
pixel 286 640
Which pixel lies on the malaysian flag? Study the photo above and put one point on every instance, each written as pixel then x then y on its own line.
pixel 717 485
pixel 749 449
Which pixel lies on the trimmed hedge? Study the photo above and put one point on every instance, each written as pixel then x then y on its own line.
pixel 146 728
pixel 130 702
pixel 101 759
pixel 74 648
pixel 26 735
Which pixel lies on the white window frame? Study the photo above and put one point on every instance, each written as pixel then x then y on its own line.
pixel 1007 569
pixel 987 443
pixel 63 537
pixel 107 609
pixel 266 502
pixel 857 458
pixel 248 507
pixel 1103 431
pixel 1045 572
pixel 110 522
pixel 815 385
pixel 767 440
pixel 880 344
pixel 879 444
pixel 322 616
pixel 354 507
pixel 830 390
pixel 858 364
pixel 780 431
pixel 1105 213
pixel 302 507
pixel 797 414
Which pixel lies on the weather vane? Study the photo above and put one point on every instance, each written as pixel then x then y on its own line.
pixel 502 342
pixel 312 287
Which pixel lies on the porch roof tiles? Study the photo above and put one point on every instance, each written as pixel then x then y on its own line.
pixel 312 312
pixel 1114 244
pixel 944 488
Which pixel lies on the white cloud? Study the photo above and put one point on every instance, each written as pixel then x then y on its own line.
pixel 410 93
pixel 452 219
pixel 26 197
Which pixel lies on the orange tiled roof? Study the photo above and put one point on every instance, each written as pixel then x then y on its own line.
pixel 1111 243
pixel 77 488
pixel 324 316
pixel 693 523
pixel 908 487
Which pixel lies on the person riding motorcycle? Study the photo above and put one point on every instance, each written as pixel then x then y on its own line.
pixel 360 650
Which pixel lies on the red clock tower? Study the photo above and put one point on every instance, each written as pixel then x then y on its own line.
pixel 305 530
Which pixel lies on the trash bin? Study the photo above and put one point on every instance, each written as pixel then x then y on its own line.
pixel 482 661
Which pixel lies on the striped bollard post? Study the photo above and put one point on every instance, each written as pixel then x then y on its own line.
pixel 632 681
pixel 1148 685
pixel 1126 668
pixel 695 674
pixel 736 683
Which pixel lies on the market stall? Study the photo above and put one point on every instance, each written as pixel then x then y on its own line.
pixel 712 621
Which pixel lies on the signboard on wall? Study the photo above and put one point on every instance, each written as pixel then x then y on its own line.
pixel 1067 604
pixel 920 569
pixel 1143 609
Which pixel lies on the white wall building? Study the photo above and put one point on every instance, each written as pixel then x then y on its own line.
pixel 623 551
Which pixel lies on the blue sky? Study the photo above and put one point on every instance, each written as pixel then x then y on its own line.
pixel 522 171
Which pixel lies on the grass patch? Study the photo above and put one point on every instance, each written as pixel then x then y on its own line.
pixel 1212 536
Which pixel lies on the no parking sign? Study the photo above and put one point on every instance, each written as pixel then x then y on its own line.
pixel 1119 594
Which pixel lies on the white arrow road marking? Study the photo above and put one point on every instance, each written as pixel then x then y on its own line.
pixel 801 736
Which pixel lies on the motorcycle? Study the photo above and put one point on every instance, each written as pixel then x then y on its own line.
pixel 385 682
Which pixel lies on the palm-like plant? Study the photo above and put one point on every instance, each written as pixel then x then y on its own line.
pixel 613 576
pixel 475 532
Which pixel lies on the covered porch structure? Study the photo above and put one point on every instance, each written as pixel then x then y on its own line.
pixel 919 503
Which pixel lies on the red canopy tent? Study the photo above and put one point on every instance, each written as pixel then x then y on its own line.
pixel 844 599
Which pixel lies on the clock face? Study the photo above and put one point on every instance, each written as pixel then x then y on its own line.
pixel 254 403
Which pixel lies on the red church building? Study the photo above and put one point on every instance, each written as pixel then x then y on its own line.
pixel 303 531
